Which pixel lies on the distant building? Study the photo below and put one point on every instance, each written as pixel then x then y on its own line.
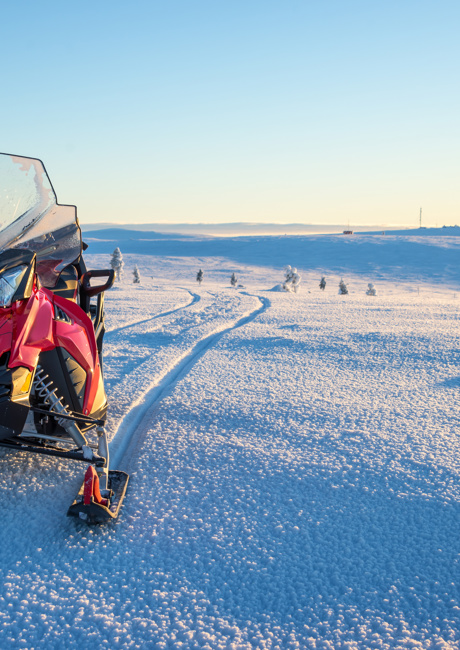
pixel 348 232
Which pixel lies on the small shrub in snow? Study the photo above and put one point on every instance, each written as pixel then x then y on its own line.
pixel 117 263
pixel 371 291
pixel 322 283
pixel 292 280
pixel 199 276
pixel 342 288
pixel 136 276
pixel 233 280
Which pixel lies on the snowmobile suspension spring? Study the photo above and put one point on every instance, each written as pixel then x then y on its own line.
pixel 48 395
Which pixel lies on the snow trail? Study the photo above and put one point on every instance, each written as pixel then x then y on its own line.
pixel 195 298
pixel 164 384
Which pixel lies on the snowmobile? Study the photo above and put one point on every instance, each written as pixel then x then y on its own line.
pixel 52 397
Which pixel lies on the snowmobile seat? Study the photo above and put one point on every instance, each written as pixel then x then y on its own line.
pixel 67 284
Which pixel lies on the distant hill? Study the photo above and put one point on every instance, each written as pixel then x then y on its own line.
pixel 428 254
pixel 108 231
pixel 123 233
pixel 445 231
pixel 234 229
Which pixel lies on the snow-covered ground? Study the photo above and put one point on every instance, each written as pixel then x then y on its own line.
pixel 294 459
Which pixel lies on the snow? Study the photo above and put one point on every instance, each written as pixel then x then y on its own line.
pixel 87 452
pixel 294 458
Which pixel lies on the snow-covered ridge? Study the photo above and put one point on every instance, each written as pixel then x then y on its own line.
pixel 394 257
pixel 257 229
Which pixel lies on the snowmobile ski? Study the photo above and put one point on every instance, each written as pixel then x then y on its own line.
pixel 95 506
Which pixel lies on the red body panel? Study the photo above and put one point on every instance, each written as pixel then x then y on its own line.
pixel 28 328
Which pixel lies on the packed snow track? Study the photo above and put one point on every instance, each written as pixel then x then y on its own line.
pixel 131 425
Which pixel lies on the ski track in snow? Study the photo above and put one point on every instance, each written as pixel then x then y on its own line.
pixel 139 355
pixel 164 384
pixel 195 299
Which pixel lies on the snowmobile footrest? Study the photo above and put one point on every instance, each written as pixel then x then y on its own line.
pixel 92 509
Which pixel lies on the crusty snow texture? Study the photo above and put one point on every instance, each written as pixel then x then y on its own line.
pixel 294 465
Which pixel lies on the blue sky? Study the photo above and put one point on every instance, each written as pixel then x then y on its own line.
pixel 199 111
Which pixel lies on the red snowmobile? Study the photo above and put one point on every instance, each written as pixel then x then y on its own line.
pixel 52 397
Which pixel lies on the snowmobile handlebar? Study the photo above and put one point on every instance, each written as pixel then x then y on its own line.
pixel 93 291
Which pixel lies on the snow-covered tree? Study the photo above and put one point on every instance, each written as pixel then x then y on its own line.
pixel 371 290
pixel 322 284
pixel 233 280
pixel 292 281
pixel 117 263
pixel 136 276
pixel 342 288
pixel 199 276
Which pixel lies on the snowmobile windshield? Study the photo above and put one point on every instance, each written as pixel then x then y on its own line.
pixel 31 218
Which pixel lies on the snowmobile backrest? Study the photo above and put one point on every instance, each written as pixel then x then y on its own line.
pixel 98 288
pixel 88 290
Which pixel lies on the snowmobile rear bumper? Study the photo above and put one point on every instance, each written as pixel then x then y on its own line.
pixel 96 510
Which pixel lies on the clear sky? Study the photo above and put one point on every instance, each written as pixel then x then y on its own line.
pixel 312 111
